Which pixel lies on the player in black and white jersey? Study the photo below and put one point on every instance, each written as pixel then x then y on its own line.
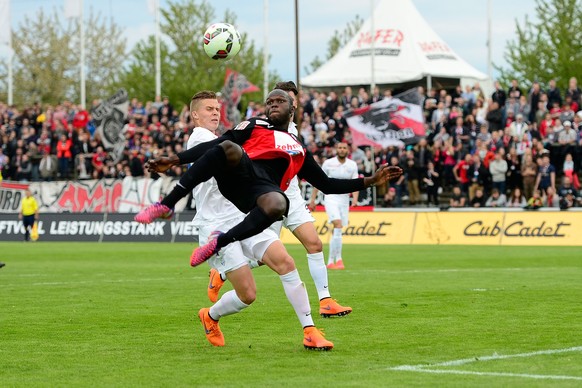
pixel 300 222
pixel 214 211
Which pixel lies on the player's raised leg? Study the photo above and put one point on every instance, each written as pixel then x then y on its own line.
pixel 215 160
pixel 270 207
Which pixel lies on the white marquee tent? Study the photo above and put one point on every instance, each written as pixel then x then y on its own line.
pixel 405 49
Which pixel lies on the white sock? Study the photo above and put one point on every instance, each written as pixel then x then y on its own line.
pixel 227 305
pixel 335 245
pixel 318 272
pixel 297 295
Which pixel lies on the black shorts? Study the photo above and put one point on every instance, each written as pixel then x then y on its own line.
pixel 245 183
pixel 28 220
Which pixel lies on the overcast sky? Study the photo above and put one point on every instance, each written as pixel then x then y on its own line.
pixel 462 24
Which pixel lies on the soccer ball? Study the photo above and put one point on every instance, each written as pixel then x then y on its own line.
pixel 221 41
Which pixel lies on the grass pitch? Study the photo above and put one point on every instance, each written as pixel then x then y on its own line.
pixel 117 314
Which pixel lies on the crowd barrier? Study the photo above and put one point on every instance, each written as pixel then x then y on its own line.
pixel 106 227
pixel 557 228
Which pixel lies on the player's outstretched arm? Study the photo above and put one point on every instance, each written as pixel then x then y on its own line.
pixel 384 174
pixel 313 174
pixel 164 163
pixel 161 164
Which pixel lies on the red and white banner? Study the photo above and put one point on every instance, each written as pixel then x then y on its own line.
pixel 235 85
pixel 389 122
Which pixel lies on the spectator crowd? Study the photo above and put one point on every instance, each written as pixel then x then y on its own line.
pixel 518 147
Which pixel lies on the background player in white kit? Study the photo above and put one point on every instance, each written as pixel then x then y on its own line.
pixel 214 210
pixel 300 222
pixel 337 206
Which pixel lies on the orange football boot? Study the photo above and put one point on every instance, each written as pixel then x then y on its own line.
pixel 211 328
pixel 313 339
pixel 330 308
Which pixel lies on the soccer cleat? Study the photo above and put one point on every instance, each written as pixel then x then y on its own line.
pixel 330 308
pixel 339 264
pixel 313 339
pixel 211 328
pixel 214 285
pixel 150 213
pixel 205 252
pixel 331 266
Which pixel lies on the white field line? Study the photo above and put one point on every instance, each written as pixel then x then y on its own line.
pixel 97 282
pixel 428 368
pixel 446 270
pixel 500 374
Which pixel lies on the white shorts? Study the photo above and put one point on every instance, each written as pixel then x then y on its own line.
pixel 298 213
pixel 238 253
pixel 336 211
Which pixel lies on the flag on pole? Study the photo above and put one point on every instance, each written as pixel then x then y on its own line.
pixel 34 231
pixel 109 118
pixel 152 6
pixel 389 122
pixel 72 8
pixel 235 85
pixel 5 22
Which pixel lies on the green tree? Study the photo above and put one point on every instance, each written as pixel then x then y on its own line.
pixel 46 59
pixel 336 43
pixel 185 66
pixel 548 48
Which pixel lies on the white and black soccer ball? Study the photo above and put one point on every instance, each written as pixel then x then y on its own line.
pixel 221 41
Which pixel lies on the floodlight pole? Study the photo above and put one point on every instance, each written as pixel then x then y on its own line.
pixel 158 54
pixel 489 65
pixel 373 49
pixel 10 57
pixel 82 33
pixel 266 49
pixel 299 116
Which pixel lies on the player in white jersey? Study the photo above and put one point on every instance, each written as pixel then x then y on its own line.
pixel 300 222
pixel 337 205
pixel 214 210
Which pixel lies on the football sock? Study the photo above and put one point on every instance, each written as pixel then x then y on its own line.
pixel 335 245
pixel 254 223
pixel 297 296
pixel 228 304
pixel 212 162
pixel 177 193
pixel 318 272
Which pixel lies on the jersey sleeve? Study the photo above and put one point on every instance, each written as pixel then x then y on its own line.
pixel 312 173
pixel 193 154
pixel 239 134
pixel 355 172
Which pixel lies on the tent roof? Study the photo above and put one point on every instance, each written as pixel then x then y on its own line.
pixel 406 49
